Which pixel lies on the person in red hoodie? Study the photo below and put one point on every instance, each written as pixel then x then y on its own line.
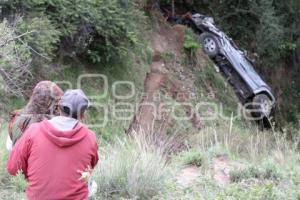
pixel 52 153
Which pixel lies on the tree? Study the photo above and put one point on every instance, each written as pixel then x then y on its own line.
pixel 99 30
pixel 15 60
pixel 269 33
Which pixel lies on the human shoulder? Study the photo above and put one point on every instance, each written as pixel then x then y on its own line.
pixel 33 129
pixel 90 134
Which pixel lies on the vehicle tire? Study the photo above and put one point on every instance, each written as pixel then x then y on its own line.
pixel 262 106
pixel 210 44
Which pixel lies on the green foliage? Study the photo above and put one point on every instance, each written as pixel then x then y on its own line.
pixel 12 52
pixel 44 37
pixel 190 42
pixel 269 34
pixel 102 30
pixel 264 172
pixel 289 12
pixel 191 157
pixel 211 82
pixel 19 182
pixel 15 61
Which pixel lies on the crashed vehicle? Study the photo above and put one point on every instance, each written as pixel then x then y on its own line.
pixel 251 89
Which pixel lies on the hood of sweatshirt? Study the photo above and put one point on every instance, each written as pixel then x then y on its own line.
pixel 63 138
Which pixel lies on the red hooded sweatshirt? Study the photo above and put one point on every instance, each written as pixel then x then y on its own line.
pixel 50 160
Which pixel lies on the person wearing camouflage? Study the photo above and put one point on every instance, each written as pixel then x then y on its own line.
pixel 43 104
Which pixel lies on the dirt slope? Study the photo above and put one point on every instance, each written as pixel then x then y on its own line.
pixel 168 75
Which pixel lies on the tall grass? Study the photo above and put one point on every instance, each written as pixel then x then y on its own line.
pixel 131 168
pixel 3 151
pixel 246 142
pixel 11 188
pixel 261 165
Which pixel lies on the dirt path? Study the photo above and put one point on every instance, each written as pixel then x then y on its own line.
pixel 188 175
pixel 221 169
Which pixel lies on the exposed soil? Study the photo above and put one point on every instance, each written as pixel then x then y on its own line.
pixel 164 75
pixel 221 169
pixel 144 119
pixel 188 175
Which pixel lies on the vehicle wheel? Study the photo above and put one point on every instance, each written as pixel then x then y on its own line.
pixel 262 105
pixel 210 44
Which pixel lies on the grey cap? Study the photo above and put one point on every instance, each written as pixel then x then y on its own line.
pixel 74 102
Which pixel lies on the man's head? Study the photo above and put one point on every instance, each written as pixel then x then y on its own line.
pixel 73 104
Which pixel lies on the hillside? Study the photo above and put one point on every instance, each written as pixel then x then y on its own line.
pixel 167 121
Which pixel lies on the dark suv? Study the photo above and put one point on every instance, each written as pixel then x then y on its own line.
pixel 237 68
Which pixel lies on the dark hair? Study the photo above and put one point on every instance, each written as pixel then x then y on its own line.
pixel 67 111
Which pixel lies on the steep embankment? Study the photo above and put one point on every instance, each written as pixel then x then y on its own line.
pixel 183 78
pixel 177 81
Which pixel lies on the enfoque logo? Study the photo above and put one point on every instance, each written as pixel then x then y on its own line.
pixel 111 102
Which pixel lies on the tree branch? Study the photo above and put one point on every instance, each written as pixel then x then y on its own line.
pixel 14 38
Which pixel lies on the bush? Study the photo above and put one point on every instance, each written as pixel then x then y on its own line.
pixel 44 38
pixel 191 42
pixel 131 168
pixel 191 157
pixel 98 29
pixel 267 171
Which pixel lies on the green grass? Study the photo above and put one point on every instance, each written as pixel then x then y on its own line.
pixel 268 166
pixel 8 104
pixel 132 69
pixel 266 171
pixel 131 168
pixel 213 86
pixel 191 157
pixel 11 188
pixel 3 151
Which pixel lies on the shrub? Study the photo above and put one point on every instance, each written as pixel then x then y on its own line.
pixel 191 157
pixel 44 38
pixel 191 42
pixel 98 29
pixel 131 168
pixel 267 171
